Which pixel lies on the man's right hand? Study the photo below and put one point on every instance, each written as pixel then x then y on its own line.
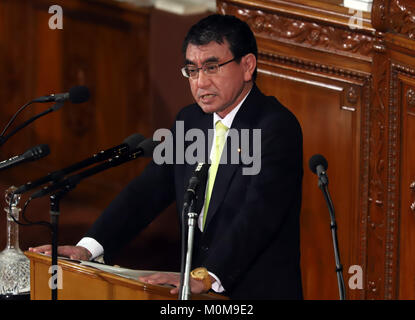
pixel 72 252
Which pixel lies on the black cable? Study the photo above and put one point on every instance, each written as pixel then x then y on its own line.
pixel 14 117
pixel 28 222
pixel 24 124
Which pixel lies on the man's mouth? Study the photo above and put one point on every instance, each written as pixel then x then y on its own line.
pixel 207 97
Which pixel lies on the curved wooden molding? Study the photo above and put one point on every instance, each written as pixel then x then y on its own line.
pixel 317 67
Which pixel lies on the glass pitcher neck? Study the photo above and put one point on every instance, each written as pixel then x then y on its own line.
pixel 12 229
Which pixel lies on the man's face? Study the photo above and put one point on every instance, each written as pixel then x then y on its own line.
pixel 220 92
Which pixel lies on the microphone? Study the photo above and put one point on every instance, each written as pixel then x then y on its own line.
pixel 318 165
pixel 130 143
pixel 197 186
pixel 77 94
pixel 144 149
pixel 32 154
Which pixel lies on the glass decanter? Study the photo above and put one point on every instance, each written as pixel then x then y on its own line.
pixel 14 265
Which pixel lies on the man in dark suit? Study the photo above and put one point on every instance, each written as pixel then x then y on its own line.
pixel 247 240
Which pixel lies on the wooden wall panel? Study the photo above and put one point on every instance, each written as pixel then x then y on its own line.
pixel 107 50
pixel 316 102
pixel 406 274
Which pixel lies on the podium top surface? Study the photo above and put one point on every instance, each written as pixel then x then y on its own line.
pixel 101 283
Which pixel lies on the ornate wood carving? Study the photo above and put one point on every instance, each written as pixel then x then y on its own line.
pixel 377 175
pixel 379 8
pixel 364 182
pixel 310 34
pixel 402 17
pixel 410 96
pixel 397 16
pixel 351 95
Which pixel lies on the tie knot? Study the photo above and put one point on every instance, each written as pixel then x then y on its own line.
pixel 221 129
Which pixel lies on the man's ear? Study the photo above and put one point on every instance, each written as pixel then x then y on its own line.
pixel 249 64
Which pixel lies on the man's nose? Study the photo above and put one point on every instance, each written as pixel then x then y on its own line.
pixel 203 80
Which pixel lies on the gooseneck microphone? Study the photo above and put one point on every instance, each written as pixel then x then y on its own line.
pixel 318 165
pixel 77 94
pixel 144 149
pixel 129 144
pixel 31 154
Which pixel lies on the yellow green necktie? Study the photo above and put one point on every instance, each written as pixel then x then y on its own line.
pixel 220 135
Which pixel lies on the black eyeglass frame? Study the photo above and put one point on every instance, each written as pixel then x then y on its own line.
pixel 204 68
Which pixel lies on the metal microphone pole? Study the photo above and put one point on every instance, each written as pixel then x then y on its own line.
pixel 323 185
pixel 192 220
pixel 183 248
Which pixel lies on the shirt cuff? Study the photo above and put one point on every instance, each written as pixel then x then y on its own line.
pixel 92 246
pixel 216 286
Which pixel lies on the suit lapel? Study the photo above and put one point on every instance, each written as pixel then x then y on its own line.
pixel 225 173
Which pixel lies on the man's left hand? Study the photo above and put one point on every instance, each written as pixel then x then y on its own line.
pixel 196 286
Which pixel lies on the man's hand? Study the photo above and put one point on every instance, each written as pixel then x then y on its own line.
pixel 196 286
pixel 72 252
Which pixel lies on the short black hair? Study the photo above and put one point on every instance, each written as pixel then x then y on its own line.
pixel 218 28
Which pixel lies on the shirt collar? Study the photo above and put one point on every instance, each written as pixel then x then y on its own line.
pixel 227 121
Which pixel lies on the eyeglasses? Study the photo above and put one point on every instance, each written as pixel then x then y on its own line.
pixel 209 68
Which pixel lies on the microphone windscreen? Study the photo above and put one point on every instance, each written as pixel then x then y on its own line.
pixel 37 152
pixel 78 94
pixel 134 140
pixel 147 146
pixel 317 160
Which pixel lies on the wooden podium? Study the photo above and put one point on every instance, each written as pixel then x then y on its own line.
pixel 87 283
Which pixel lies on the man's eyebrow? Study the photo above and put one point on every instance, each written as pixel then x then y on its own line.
pixel 211 59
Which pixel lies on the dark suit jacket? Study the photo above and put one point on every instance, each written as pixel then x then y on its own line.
pixel 251 238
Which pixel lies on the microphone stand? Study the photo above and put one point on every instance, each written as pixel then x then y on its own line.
pixel 185 283
pixel 183 248
pixel 54 220
pixel 323 185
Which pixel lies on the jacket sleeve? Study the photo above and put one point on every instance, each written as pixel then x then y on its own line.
pixel 134 208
